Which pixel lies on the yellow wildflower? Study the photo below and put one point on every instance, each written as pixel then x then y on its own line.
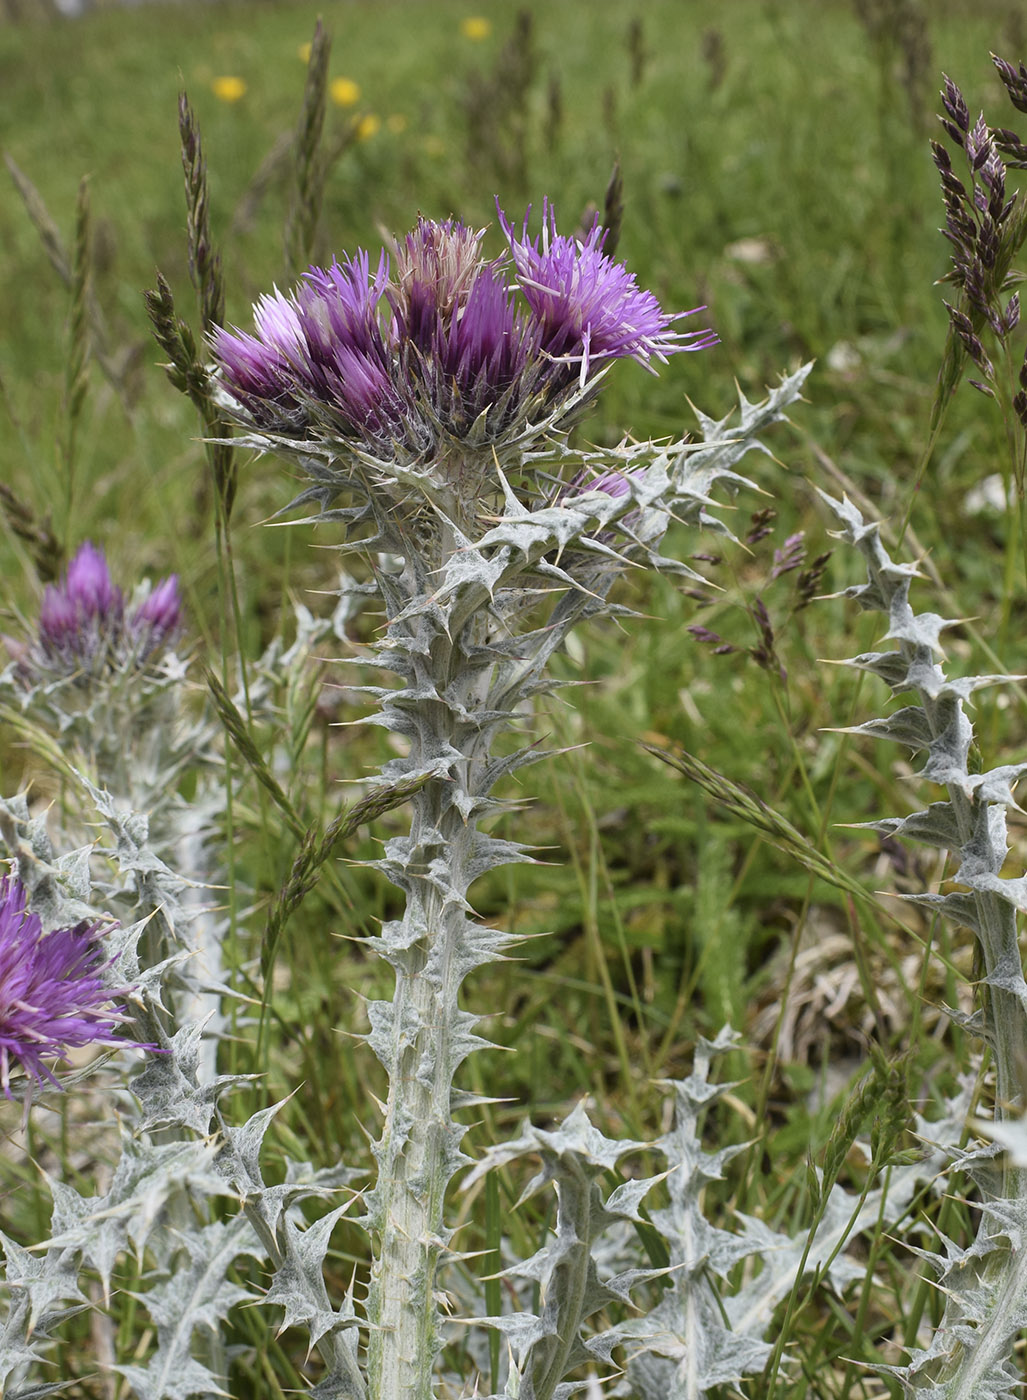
pixel 369 125
pixel 475 27
pixel 228 89
pixel 344 92
pixel 304 51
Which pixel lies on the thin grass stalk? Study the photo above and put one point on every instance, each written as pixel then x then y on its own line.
pixel 189 375
pixel 115 370
pixel 613 209
pixel 208 280
pixel 76 371
pixel 587 867
pixel 204 258
pixel 35 532
pixel 309 168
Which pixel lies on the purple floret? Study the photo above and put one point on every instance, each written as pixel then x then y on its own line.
pixel 78 615
pixel 89 583
pixel 53 997
pixel 322 345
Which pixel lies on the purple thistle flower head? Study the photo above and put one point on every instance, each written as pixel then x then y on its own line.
pixel 83 628
pixel 435 268
pixel 53 997
pixel 80 615
pixel 589 307
pixel 158 616
pixel 615 484
pixel 385 364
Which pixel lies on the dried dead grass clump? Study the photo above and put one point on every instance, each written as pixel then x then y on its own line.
pixel 822 1004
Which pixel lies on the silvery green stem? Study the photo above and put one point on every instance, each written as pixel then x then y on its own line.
pixel 970 1356
pixel 201 1001
pixel 972 823
pixel 422 1036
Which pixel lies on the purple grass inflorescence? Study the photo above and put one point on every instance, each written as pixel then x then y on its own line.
pixel 442 344
pixel 83 626
pixel 53 997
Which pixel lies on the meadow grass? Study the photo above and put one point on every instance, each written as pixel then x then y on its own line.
pixel 775 167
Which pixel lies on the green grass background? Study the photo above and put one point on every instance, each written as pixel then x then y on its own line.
pixel 776 169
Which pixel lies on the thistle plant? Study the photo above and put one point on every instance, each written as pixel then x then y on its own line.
pixel 430 397
pixel 156 954
pixel 102 677
pixel 102 673
pixel 427 396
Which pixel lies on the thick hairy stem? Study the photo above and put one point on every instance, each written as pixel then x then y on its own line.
pixel 415 1154
pixel 423 1036
pixel 413 1178
pixel 1006 1005
pixel 474 619
pixel 1006 1273
pixel 198 1003
pixel 1004 990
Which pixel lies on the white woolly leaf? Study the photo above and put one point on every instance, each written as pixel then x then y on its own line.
pixel 147 1177
pixel 42 1280
pixel 305 1259
pixel 168 1378
pixel 908 726
pixel 197 1295
pixel 936 825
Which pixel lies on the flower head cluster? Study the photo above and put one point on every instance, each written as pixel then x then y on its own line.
pixel 85 628
pixel 439 347
pixel 53 997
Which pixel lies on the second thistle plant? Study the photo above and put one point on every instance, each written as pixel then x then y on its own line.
pixel 970 1354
